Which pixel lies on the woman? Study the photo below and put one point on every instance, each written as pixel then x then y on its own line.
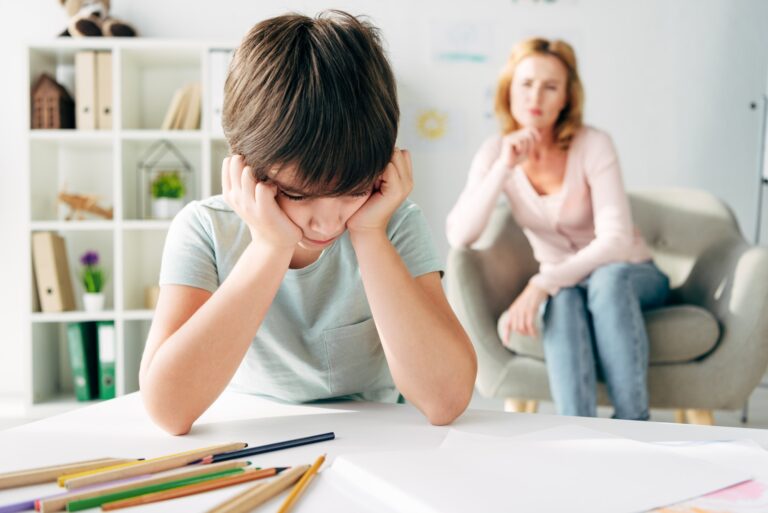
pixel 564 187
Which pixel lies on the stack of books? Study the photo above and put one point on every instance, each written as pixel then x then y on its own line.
pixel 184 111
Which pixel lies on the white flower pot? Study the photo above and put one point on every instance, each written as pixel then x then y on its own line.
pixel 166 208
pixel 93 301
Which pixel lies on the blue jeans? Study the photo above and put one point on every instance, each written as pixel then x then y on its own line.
pixel 596 330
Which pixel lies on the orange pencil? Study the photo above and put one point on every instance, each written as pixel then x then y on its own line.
pixel 248 475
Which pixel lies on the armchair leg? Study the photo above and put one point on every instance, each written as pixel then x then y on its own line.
pixel 702 417
pixel 520 406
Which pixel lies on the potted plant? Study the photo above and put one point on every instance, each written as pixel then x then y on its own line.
pixel 167 194
pixel 92 278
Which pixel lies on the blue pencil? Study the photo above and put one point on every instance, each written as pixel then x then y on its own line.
pixel 261 449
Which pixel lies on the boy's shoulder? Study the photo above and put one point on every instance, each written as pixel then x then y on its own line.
pixel 211 215
pixel 407 212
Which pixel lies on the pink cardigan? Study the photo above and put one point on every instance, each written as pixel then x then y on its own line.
pixel 594 225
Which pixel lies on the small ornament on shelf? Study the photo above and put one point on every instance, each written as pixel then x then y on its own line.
pixel 92 278
pixel 52 106
pixel 79 203
pixel 165 179
pixel 167 194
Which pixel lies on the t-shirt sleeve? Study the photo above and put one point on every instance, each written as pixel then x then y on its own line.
pixel 188 256
pixel 410 234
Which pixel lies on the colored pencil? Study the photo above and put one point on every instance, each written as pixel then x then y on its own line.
pixel 59 502
pixel 47 474
pixel 259 494
pixel 301 485
pixel 192 489
pixel 151 466
pixel 17 507
pixel 93 502
pixel 261 449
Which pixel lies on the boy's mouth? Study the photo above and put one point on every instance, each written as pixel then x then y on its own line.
pixel 319 242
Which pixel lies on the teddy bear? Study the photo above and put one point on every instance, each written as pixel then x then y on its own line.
pixel 89 18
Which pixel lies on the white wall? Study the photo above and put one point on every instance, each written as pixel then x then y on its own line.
pixel 672 82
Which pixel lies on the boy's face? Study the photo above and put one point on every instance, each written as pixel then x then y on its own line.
pixel 322 219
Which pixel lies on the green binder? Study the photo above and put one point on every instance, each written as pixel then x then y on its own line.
pixel 107 350
pixel 83 355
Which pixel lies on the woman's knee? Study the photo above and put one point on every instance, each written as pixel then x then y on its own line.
pixel 564 310
pixel 609 283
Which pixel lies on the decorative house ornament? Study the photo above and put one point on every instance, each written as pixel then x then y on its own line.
pixel 52 106
pixel 165 178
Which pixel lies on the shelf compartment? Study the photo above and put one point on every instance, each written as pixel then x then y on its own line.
pixel 142 253
pixel 73 166
pixel 136 189
pixel 150 77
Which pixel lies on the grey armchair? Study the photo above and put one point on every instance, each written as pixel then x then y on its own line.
pixel 709 345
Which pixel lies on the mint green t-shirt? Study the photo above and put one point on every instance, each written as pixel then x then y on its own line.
pixel 318 339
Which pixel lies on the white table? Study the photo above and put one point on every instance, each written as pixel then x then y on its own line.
pixel 121 428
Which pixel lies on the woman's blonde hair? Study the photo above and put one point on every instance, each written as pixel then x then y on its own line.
pixel 569 120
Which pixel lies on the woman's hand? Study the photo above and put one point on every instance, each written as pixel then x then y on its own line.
pixel 395 184
pixel 518 145
pixel 255 203
pixel 524 311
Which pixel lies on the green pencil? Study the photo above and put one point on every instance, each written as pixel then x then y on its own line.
pixel 93 502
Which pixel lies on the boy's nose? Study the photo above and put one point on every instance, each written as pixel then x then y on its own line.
pixel 326 221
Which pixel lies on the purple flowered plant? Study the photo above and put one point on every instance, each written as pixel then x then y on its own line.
pixel 90 258
pixel 93 276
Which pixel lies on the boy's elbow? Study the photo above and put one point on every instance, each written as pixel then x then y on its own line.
pixel 451 407
pixel 167 418
pixel 446 413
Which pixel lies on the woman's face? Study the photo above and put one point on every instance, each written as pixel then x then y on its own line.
pixel 538 91
pixel 322 219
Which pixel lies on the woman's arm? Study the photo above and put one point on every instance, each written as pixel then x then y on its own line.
pixel 489 171
pixel 198 339
pixel 614 230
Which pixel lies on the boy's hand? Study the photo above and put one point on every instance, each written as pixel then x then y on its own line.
pixel 394 185
pixel 255 203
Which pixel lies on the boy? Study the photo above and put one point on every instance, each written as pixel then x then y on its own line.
pixel 312 276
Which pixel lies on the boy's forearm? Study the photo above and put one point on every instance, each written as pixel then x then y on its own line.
pixel 428 352
pixel 194 365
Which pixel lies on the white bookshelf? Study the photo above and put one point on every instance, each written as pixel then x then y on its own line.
pixel 145 74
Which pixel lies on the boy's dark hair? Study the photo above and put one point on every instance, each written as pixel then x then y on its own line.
pixel 317 94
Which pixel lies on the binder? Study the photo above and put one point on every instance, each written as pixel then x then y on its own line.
pixel 49 260
pixel 104 90
pixel 82 343
pixel 106 337
pixel 85 90
pixel 219 67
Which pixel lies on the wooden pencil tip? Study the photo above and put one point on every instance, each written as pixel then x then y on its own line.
pixel 280 469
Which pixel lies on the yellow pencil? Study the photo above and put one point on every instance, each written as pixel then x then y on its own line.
pixel 63 478
pixel 299 488
pixel 150 466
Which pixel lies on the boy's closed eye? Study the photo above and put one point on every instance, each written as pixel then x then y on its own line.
pixel 299 197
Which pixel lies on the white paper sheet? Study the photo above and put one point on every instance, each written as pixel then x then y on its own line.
pixel 589 475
